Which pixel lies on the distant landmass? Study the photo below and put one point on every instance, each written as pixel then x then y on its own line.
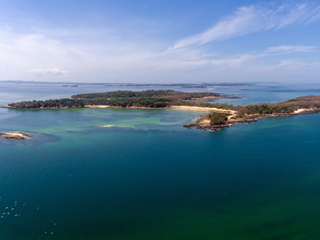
pixel 185 85
pixel 197 86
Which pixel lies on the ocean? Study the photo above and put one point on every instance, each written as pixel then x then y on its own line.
pixel 136 174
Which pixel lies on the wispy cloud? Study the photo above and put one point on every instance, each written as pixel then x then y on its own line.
pixel 294 63
pixel 44 72
pixel 251 59
pixel 290 48
pixel 252 19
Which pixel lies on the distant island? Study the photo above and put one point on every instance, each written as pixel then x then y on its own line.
pixel 197 86
pixel 220 115
pixel 138 84
pixel 182 85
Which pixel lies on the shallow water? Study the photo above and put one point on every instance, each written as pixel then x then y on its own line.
pixel 147 177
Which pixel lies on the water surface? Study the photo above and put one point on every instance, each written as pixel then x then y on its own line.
pixel 146 177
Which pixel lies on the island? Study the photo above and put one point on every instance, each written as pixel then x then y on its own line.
pixel 219 115
pixel 125 99
pixel 15 135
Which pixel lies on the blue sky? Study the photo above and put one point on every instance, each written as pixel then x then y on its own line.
pixel 159 41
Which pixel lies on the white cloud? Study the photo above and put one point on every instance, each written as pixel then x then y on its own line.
pixel 290 48
pixel 252 19
pixel 44 72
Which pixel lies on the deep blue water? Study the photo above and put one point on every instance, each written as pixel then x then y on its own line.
pixel 147 177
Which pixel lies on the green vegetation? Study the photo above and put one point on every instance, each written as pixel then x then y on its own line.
pixel 217 118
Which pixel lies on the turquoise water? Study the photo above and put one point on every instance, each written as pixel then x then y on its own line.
pixel 146 177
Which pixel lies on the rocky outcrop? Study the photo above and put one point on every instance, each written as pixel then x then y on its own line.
pixel 204 123
pixel 15 135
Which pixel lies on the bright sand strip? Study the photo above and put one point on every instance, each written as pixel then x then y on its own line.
pixel 303 110
pixel 96 106
pixel 205 109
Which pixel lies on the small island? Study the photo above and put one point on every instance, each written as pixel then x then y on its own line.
pixel 15 135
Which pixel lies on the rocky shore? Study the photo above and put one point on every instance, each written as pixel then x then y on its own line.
pixel 15 135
